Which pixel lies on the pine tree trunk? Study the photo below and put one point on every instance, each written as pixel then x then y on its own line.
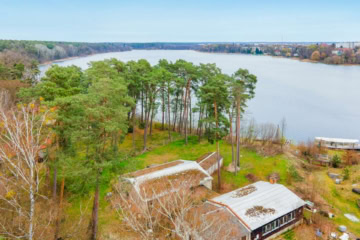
pixel 190 115
pixel 175 112
pixel 238 115
pixel 133 125
pixel 217 146
pixel 147 116
pixel 231 139
pixel 181 115
pixel 151 120
pixel 95 212
pixel 185 118
pixel 169 123
pixel 163 111
pixel 201 115
pixel 142 107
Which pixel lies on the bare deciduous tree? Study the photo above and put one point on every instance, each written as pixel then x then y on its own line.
pixel 267 132
pixel 21 139
pixel 5 99
pixel 178 213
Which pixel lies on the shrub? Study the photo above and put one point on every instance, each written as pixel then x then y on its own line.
pixel 335 161
pixel 294 174
pixel 251 177
pixel 142 125
pixel 311 150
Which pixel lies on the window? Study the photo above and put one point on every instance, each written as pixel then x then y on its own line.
pixel 268 227
pixel 277 223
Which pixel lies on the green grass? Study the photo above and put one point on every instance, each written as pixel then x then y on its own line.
pixel 250 161
pixel 289 235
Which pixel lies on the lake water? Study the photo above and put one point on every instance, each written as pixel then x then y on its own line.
pixel 316 99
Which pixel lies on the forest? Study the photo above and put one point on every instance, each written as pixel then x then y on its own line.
pixel 61 137
pixel 44 51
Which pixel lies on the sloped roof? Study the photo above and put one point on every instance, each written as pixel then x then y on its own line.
pixel 275 200
pixel 208 160
pixel 153 181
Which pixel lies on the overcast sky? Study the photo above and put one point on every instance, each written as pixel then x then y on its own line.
pixel 180 21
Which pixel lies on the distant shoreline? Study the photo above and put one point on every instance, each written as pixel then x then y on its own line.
pixel 292 58
pixel 65 59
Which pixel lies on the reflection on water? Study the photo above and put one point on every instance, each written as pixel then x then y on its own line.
pixel 315 99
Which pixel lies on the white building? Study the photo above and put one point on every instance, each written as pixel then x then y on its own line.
pixel 337 143
pixel 351 45
pixel 151 183
pixel 263 210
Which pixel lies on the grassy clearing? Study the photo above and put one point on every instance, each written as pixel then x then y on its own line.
pixel 250 162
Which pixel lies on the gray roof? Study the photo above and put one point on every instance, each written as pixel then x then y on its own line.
pixel 276 199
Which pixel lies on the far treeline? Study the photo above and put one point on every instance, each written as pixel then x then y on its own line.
pixel 77 120
pixel 325 53
pixel 19 59
pixel 43 51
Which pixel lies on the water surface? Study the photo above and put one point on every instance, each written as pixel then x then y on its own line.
pixel 316 99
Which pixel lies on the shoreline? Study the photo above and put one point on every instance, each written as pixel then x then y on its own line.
pixel 291 58
pixel 62 60
pixel 72 58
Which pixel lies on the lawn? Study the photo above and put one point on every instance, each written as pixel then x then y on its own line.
pixel 250 161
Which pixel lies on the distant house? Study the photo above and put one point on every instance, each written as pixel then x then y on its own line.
pixel 261 210
pixel 337 52
pixel 151 183
pixel 338 143
pixel 277 53
pixel 350 45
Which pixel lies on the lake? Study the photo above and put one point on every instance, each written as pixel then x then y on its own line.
pixel 316 99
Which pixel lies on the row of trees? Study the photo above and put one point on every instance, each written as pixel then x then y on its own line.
pixel 91 111
pixel 48 50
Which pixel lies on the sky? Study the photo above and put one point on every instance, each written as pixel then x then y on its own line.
pixel 181 21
